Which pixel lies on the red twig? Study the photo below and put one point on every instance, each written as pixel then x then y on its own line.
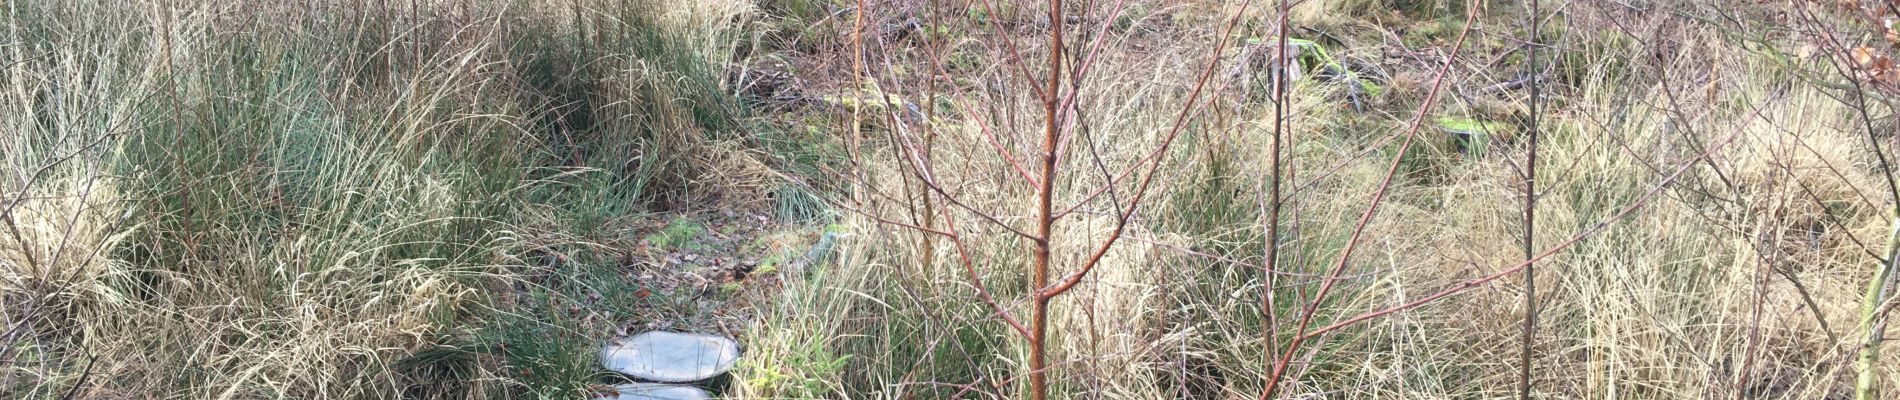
pixel 969 268
pixel 1378 197
pixel 1271 258
pixel 1467 285
pixel 970 114
pixel 1180 121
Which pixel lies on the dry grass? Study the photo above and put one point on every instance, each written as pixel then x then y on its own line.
pixel 335 200
pixel 1690 296
pixel 246 200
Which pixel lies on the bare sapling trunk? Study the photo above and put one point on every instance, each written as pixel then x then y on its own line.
pixel 1271 259
pixel 1045 217
pixel 1873 326
pixel 1530 216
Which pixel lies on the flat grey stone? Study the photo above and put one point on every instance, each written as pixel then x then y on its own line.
pixel 655 391
pixel 663 356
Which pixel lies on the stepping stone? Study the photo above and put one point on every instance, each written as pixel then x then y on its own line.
pixel 655 391
pixel 675 357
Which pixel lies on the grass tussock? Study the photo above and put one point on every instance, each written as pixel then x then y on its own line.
pixel 342 199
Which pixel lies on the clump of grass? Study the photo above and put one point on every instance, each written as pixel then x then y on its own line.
pixel 328 201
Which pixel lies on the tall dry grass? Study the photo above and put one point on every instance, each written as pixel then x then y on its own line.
pixel 332 199
pixel 407 199
pixel 1740 278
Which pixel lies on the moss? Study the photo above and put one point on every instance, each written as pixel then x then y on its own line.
pixel 678 233
pixel 1474 136
pixel 730 289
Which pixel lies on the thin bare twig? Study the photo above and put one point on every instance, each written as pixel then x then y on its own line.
pixel 1530 215
pixel 1469 284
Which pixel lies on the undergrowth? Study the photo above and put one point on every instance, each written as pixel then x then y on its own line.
pixel 341 200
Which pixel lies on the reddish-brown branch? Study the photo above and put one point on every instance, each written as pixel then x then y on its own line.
pixel 1081 71
pixel 1270 260
pixel 1378 197
pixel 878 219
pixel 1045 223
pixel 1015 54
pixel 970 114
pixel 924 173
pixel 1838 51
pixel 1180 122
pixel 1566 243
pixel 1127 171
pixel 1528 338
pixel 976 281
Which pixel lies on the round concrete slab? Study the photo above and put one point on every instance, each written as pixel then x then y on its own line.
pixel 655 391
pixel 662 356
